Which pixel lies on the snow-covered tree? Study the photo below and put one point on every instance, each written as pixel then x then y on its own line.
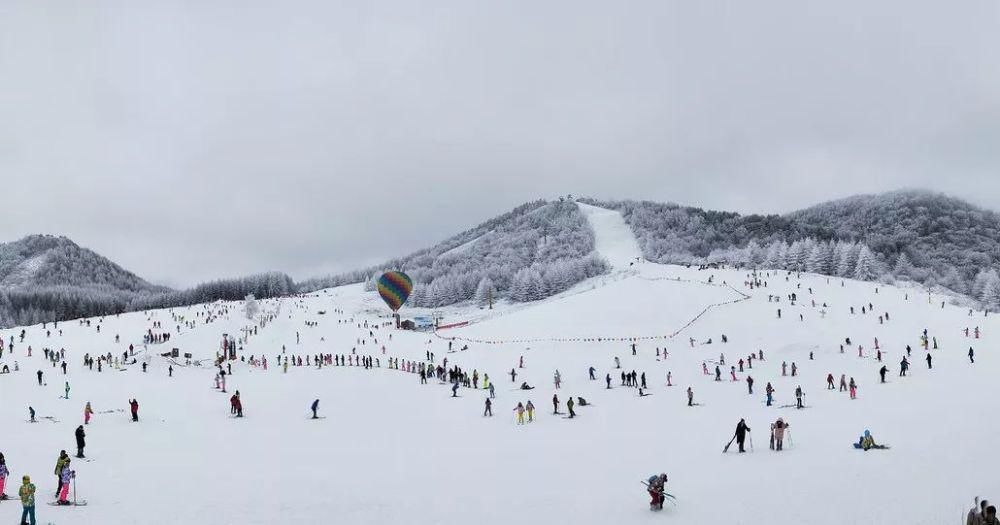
pixel 485 292
pixel 866 267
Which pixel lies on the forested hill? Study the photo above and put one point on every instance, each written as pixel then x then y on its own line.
pixel 918 236
pixel 46 260
pixel 534 251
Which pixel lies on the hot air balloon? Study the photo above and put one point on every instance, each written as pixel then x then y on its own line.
pixel 395 288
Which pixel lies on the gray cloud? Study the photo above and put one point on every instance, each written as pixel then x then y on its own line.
pixel 193 140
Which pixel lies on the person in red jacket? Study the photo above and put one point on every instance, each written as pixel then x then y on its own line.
pixel 134 406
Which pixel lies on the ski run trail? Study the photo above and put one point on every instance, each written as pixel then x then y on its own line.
pixel 390 450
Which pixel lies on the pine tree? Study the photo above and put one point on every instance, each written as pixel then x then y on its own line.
pixel 866 267
pixel 485 292
pixel 903 269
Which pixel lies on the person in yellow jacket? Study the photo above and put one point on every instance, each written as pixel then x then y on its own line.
pixel 60 463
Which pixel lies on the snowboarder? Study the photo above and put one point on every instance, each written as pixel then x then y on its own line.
pixel 27 495
pixel 314 407
pixel 867 442
pixel 80 443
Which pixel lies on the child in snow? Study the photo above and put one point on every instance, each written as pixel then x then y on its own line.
pixel 655 485
pixel 3 476
pixel 65 477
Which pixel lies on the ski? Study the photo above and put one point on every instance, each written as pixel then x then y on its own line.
pixel 69 504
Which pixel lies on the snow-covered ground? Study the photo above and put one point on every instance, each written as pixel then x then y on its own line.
pixel 391 450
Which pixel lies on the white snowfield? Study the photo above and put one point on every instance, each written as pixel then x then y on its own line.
pixel 613 237
pixel 391 450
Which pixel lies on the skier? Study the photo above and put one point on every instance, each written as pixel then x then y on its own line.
pixel 87 413
pixel 67 389
pixel 903 365
pixel 133 406
pixel 972 355
pixel 929 361
pixel 557 379
pixel 314 407
pixel 690 397
pixel 66 477
pixel 718 373
pixel 555 404
pixel 829 382
pixel 3 477
pixel 798 396
pixel 843 382
pixel 63 459
pixel 519 409
pixel 569 406
pixel 655 486
pixel 489 408
pixel 31 414
pixel 454 389
pixel 592 378
pixel 530 408
pixel 778 433
pixel 854 389
pixel 770 393
pixel 741 434
pixel 882 372
pixel 27 495
pixel 750 385
pixel 80 443
pixel 39 373
pixel 607 379
pixel 513 375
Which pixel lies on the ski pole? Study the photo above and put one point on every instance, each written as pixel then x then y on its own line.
pixel 74 488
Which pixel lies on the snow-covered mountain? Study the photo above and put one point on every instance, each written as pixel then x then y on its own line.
pixel 389 448
pixel 912 235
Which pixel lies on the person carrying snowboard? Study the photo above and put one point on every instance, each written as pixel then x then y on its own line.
pixel 741 434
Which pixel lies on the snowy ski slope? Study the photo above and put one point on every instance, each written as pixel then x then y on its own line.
pixel 391 450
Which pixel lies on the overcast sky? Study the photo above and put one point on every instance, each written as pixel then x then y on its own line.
pixel 193 140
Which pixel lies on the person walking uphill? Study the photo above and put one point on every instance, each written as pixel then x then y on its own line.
pixel 27 494
pixel 741 434
pixel 80 443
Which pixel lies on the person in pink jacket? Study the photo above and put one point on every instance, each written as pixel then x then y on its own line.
pixel 87 413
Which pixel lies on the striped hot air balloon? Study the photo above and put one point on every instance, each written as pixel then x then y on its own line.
pixel 395 288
